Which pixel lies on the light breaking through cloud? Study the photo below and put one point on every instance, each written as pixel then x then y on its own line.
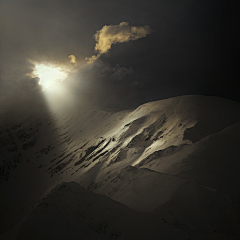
pixel 113 34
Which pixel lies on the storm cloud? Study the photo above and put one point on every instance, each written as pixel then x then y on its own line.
pixel 193 49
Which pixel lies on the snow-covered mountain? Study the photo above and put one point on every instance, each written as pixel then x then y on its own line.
pixel 174 162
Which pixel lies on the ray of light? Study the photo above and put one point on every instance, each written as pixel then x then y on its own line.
pixel 57 95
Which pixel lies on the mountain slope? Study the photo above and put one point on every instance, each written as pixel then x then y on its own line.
pixel 162 157
pixel 71 212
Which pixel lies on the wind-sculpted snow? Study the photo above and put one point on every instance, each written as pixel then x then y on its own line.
pixel 150 159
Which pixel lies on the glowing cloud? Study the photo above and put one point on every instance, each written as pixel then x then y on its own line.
pixel 73 58
pixel 113 34
pixel 92 59
pixel 49 75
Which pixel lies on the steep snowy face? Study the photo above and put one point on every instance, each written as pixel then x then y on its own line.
pixel 80 137
pixel 143 158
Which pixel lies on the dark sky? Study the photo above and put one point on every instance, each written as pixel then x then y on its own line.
pixel 192 48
